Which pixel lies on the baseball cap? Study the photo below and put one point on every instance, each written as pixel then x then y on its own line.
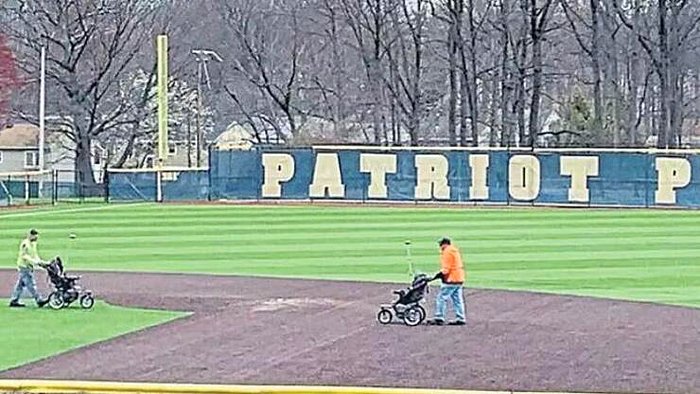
pixel 444 240
pixel 33 232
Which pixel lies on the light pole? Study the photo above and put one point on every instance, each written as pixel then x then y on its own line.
pixel 202 57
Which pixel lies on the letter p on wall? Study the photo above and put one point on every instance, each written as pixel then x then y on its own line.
pixel 674 173
pixel 277 168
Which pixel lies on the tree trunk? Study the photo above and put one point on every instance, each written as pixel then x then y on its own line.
pixel 677 109
pixel 338 109
pixel 376 75
pixel 632 94
pixel 84 175
pixel 189 140
pixel 595 61
pixel 395 129
pixel 519 105
pixel 616 98
pixel 463 106
pixel 452 45
pixel 416 99
pixel 662 70
pixel 473 91
pixel 536 36
pixel 675 104
pixel 493 108
pixel 377 104
pixel 128 150
pixel 653 112
pixel 506 89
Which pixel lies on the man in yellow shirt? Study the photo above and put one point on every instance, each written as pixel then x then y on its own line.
pixel 452 275
pixel 26 260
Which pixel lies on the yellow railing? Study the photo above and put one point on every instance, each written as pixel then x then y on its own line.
pixel 65 386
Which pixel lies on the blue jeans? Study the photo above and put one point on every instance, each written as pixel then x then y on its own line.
pixel 454 293
pixel 25 281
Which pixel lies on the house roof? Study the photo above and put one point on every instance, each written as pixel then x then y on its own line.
pixel 19 136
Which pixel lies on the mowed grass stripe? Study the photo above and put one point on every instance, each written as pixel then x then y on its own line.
pixel 493 254
pixel 399 210
pixel 565 250
pixel 305 222
pixel 178 214
pixel 406 231
pixel 320 214
pixel 156 236
pixel 337 246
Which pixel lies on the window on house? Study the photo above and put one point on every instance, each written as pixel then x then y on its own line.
pixel 0 157
pixel 97 158
pixel 172 149
pixel 149 162
pixel 31 159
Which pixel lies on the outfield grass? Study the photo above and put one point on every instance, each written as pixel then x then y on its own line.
pixel 29 334
pixel 648 255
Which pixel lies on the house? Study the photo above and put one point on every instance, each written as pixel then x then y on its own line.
pixel 180 154
pixel 19 152
pixel 236 137
pixel 19 148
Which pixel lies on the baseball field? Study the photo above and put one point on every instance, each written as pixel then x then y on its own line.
pixel 558 299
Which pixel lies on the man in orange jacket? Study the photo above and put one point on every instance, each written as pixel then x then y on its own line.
pixel 452 275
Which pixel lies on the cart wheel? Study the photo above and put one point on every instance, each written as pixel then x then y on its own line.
pixel 384 316
pixel 86 301
pixel 413 316
pixel 56 301
pixel 421 310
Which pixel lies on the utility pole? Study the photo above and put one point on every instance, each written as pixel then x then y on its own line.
pixel 42 109
pixel 42 116
pixel 202 57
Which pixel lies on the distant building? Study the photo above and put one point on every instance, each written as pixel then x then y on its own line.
pixel 236 137
pixel 180 154
pixel 19 152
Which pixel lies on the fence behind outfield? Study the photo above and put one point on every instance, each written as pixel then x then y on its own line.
pixel 574 177
pixel 161 185
pixel 48 187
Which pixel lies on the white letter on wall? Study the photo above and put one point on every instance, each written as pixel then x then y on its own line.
pixel 277 168
pixel 431 177
pixel 674 173
pixel 524 177
pixel 378 166
pixel 479 190
pixel 327 176
pixel 579 168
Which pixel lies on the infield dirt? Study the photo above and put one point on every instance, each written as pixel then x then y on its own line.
pixel 274 331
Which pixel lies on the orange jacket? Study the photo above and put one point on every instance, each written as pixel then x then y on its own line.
pixel 451 265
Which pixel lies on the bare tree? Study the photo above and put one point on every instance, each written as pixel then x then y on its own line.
pixel 9 78
pixel 676 24
pixel 369 20
pixel 590 44
pixel 406 61
pixel 380 71
pixel 539 17
pixel 90 46
pixel 455 13
pixel 269 51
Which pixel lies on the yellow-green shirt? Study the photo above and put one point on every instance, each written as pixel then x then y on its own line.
pixel 28 255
